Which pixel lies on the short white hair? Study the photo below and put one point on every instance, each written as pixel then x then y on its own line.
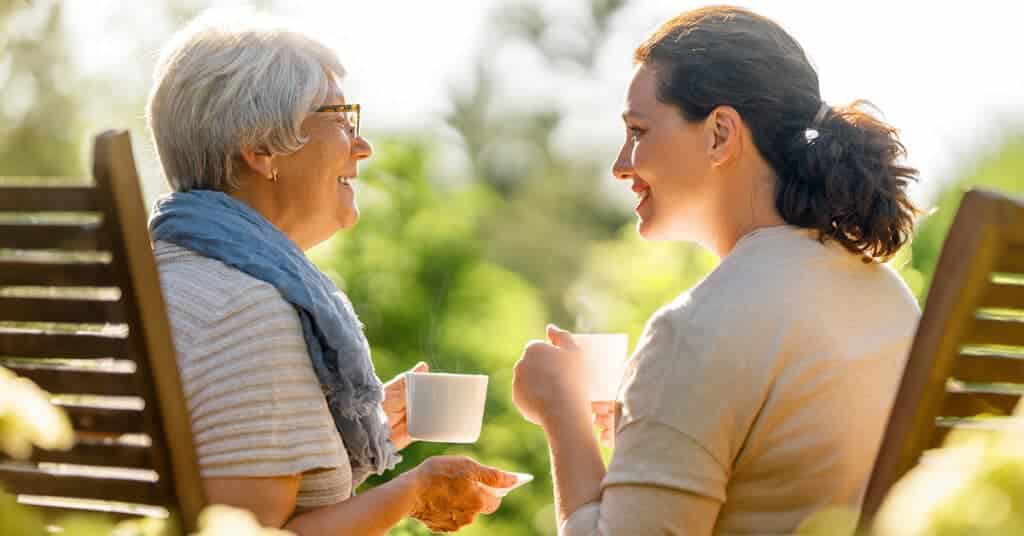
pixel 225 83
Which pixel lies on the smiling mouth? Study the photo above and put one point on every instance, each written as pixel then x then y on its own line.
pixel 641 195
pixel 345 180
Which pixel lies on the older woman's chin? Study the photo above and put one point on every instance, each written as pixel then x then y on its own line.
pixel 350 218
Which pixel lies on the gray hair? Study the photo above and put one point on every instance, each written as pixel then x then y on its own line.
pixel 222 84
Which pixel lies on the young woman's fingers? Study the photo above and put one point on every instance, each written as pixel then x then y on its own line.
pixel 602 407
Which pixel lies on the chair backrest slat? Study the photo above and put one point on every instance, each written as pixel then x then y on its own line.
pixel 1012 261
pixel 59 483
pixel 37 343
pixel 966 365
pixel 988 367
pixel 85 377
pixel 82 314
pixel 994 330
pixel 62 236
pixel 21 273
pixel 970 404
pixel 91 417
pixel 55 199
pixel 1000 295
pixel 99 450
pixel 82 311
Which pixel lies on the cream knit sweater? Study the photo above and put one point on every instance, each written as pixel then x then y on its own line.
pixel 255 402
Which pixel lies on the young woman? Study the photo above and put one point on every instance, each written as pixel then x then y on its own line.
pixel 759 396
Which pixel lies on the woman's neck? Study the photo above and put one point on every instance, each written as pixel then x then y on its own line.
pixel 749 208
pixel 260 196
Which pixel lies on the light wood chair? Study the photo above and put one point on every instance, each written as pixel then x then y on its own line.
pixel 82 315
pixel 966 365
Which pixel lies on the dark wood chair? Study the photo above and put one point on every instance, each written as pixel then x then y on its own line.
pixel 966 365
pixel 82 315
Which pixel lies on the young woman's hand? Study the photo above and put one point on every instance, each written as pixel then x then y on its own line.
pixel 604 419
pixel 550 380
pixel 395 407
pixel 453 490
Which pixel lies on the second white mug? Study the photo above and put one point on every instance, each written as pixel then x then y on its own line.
pixel 604 356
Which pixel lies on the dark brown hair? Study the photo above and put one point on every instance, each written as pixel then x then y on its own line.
pixel 847 182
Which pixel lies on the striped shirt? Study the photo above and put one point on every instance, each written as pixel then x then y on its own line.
pixel 256 406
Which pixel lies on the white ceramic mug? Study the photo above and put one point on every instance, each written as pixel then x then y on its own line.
pixel 604 356
pixel 446 408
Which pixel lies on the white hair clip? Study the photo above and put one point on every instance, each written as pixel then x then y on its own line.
pixel 811 133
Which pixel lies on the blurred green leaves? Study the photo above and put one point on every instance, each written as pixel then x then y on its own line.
pixel 607 298
pixel 1002 170
pixel 28 419
pixel 973 485
pixel 39 119
pixel 416 272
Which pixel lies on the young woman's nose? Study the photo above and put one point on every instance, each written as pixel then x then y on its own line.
pixel 623 166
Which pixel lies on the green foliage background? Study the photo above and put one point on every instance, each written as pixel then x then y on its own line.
pixel 459 273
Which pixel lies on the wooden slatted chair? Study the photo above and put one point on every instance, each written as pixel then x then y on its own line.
pixel 82 315
pixel 966 365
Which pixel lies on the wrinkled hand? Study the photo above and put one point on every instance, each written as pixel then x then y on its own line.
pixel 550 378
pixel 604 419
pixel 395 407
pixel 450 491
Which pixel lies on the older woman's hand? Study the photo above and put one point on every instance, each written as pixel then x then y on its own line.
pixel 550 379
pixel 395 407
pixel 453 490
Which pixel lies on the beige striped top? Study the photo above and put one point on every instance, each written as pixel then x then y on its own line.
pixel 255 402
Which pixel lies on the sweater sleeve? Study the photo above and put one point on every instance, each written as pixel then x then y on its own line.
pixel 255 403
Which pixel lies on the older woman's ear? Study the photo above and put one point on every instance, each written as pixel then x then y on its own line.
pixel 259 162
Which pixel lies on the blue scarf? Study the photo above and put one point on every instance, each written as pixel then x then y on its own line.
pixel 216 225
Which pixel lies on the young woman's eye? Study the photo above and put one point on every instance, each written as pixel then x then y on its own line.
pixel 635 133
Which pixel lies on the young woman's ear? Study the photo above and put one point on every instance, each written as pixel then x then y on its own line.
pixel 724 135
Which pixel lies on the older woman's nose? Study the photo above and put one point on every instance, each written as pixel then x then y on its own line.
pixel 361 149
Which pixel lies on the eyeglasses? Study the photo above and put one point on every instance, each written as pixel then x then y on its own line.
pixel 350 112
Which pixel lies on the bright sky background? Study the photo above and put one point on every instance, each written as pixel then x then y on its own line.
pixel 947 74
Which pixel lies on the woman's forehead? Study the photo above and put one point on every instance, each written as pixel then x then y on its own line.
pixel 334 93
pixel 643 85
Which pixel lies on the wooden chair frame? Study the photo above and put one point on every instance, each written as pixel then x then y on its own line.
pixel 165 473
pixel 968 354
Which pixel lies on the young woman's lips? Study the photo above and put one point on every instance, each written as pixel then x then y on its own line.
pixel 642 202
pixel 643 193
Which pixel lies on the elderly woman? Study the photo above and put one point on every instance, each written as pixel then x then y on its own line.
pixel 260 147
pixel 759 396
